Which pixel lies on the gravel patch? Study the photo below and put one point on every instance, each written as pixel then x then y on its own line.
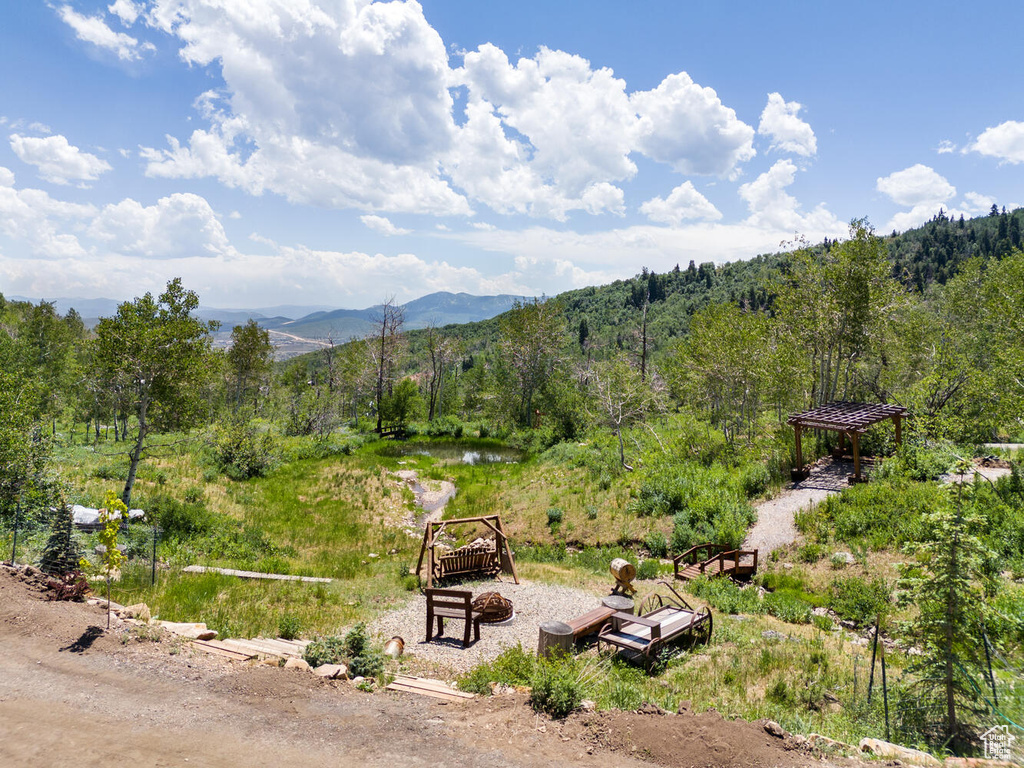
pixel 775 527
pixel 533 603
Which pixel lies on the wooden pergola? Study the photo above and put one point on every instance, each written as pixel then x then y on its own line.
pixel 849 420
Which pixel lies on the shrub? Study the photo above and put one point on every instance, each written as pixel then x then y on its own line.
pixel 811 553
pixel 787 607
pixel 181 520
pixel 855 599
pixel 755 480
pixel 242 452
pixel 325 650
pixel 554 516
pixel 725 596
pixel 445 426
pixel 591 512
pixel 555 686
pixel 512 667
pixel 657 545
pixel 648 569
pixel 288 628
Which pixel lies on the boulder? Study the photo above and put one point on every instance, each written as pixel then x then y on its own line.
pixel 294 663
pixel 774 729
pixel 138 611
pixel 193 631
pixel 818 741
pixel 889 751
pixel 331 671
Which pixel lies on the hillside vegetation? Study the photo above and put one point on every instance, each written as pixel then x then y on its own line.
pixel 647 416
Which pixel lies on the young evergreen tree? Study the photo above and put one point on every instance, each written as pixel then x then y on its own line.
pixel 946 584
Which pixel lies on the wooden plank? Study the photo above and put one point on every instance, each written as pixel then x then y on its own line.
pixel 215 648
pixel 256 574
pixel 426 687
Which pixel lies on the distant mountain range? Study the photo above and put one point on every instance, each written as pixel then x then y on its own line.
pixel 292 325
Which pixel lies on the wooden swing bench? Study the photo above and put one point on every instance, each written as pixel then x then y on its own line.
pixel 663 619
pixel 466 561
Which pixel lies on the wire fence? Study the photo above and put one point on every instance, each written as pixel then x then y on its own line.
pixel 49 538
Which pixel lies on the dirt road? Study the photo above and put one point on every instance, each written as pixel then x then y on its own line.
pixel 74 695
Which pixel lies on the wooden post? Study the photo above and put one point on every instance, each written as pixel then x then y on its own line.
pixel 798 475
pixel 555 638
pixel 897 422
pixel 842 443
pixel 855 439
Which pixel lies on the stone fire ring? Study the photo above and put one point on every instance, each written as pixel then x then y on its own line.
pixel 493 606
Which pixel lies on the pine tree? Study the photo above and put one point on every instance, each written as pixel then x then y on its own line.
pixel 945 583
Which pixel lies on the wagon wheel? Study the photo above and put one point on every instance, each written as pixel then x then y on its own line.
pixel 650 603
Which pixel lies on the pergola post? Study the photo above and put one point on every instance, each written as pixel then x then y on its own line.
pixel 897 422
pixel 855 440
pixel 798 473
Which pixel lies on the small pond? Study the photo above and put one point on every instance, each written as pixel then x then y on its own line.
pixel 461 452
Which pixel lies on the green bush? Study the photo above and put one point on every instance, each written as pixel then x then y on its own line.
pixel 181 520
pixel 859 601
pixel 755 480
pixel 288 627
pixel 554 516
pixel 787 607
pixel 726 596
pixel 811 553
pixel 657 545
pixel 325 650
pixel 556 687
pixel 445 426
pixel 648 569
pixel 512 667
pixel 242 452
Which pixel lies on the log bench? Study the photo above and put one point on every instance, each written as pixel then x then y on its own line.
pixel 452 604
pixel 590 622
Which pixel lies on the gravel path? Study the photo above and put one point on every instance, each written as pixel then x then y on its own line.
pixel 533 603
pixel 775 527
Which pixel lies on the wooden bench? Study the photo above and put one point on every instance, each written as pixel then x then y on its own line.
pixel 590 622
pixel 452 604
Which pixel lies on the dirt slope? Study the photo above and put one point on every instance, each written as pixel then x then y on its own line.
pixel 74 695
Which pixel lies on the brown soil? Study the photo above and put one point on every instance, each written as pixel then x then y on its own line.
pixel 74 694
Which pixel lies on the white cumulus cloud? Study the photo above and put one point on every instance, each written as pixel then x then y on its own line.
pixel 683 203
pixel 785 130
pixel 382 225
pixel 918 187
pixel 1005 142
pixel 772 207
pixel 126 10
pixel 57 160
pixel 178 226
pixel 976 204
pixel 94 30
pixel 688 127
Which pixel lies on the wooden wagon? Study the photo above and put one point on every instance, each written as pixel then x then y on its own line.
pixel 663 619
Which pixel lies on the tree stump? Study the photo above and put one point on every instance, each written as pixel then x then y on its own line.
pixel 555 638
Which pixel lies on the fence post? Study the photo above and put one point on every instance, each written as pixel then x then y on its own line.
pixel 17 523
pixel 874 651
pixel 885 696
pixel 991 677
pixel 156 534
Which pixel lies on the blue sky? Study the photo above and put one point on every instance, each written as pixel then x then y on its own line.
pixel 315 152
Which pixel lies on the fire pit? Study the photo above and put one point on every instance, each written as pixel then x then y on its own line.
pixel 493 606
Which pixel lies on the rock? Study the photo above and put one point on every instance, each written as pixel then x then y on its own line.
pixel 889 751
pixel 771 634
pixel 373 554
pixel 774 729
pixel 138 611
pixel 844 558
pixel 685 707
pixel 331 671
pixel 818 741
pixel 587 705
pixel 193 631
pixel 650 708
pixel 358 679
pixel 294 663
pixel 788 566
